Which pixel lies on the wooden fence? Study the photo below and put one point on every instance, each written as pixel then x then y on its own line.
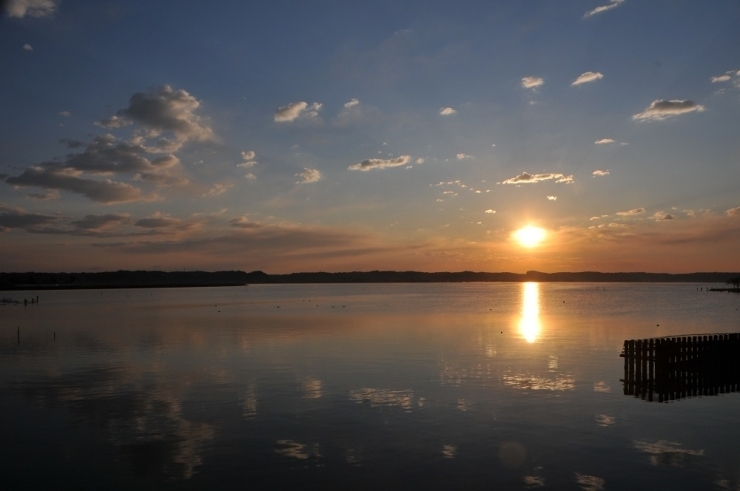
pixel 676 367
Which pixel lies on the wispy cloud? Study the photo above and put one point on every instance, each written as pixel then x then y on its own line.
pixel 599 172
pixel 662 109
pixel 726 77
pixel 249 160
pixel 552 198
pixel 527 178
pixel 463 156
pixel 633 212
pixel 296 110
pixel 309 175
pixel 370 164
pixel 27 47
pixel 587 77
pixel 30 8
pixel 218 189
pixel 603 8
pixel 733 212
pixel 532 82
pixel 447 111
pixel 603 141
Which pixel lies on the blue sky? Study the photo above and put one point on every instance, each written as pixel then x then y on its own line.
pixel 330 136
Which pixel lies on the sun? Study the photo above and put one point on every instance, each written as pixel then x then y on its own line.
pixel 529 236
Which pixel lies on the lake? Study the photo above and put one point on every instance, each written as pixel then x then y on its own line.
pixel 359 386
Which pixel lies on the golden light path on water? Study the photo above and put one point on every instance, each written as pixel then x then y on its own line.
pixel 529 324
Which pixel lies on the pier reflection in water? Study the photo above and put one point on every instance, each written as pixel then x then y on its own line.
pixel 673 368
pixel 529 324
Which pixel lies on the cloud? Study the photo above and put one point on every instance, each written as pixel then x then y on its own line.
pixel 662 109
pixel 462 156
pixel 30 8
pixel 218 189
pixel 489 211
pixel 447 111
pixel 552 198
pixel 420 160
pixel 603 8
pixel 13 217
pixel 295 110
pixel 250 176
pixel 661 216
pixel 249 160
pixel 161 220
pixel 733 212
pixel 587 77
pixel 369 164
pixel 65 114
pixel 247 165
pixel 532 82
pixel 309 175
pixel 527 178
pixel 27 47
pixel 49 195
pixel 105 191
pixel 104 156
pixel 351 103
pixel 163 109
pixel 102 222
pixel 721 78
pixel 599 172
pixel 633 212
pixel 248 155
pixel 603 141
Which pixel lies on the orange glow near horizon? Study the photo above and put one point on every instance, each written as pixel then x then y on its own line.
pixel 529 236
pixel 529 324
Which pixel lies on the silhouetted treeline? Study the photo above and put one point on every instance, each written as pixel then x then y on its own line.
pixel 122 279
pixel 153 279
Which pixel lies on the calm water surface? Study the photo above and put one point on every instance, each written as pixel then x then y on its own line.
pixel 475 386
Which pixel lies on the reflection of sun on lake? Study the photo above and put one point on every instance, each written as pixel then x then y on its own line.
pixel 529 325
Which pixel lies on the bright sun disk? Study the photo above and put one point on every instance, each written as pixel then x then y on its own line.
pixel 529 236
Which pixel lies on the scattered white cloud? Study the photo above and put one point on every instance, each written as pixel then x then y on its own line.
pixel 218 189
pixel 587 77
pixel 250 176
pixel 722 78
pixel 309 175
pixel 447 111
pixel 420 160
pixel 247 165
pixel 462 156
pixel 733 212
pixel 163 109
pixel 370 164
pixel 296 110
pixel 527 178
pixel 552 198
pixel 603 8
pixel 599 172
pixel 623 144
pixel 30 8
pixel 661 216
pixel 633 212
pixel 489 211
pixel 27 47
pixel 249 161
pixel 662 109
pixel 351 103
pixel 65 114
pixel 603 141
pixel 532 82
pixel 248 155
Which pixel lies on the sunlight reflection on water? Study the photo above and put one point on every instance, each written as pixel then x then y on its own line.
pixel 529 325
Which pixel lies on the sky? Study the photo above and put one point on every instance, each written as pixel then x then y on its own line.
pixel 354 136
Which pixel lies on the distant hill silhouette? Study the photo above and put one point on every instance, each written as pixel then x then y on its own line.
pixel 160 279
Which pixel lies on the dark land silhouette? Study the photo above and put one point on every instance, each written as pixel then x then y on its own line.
pixel 164 279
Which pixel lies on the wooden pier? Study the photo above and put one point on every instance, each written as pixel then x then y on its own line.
pixel 677 367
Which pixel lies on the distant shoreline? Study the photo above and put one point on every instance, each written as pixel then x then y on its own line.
pixel 193 279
